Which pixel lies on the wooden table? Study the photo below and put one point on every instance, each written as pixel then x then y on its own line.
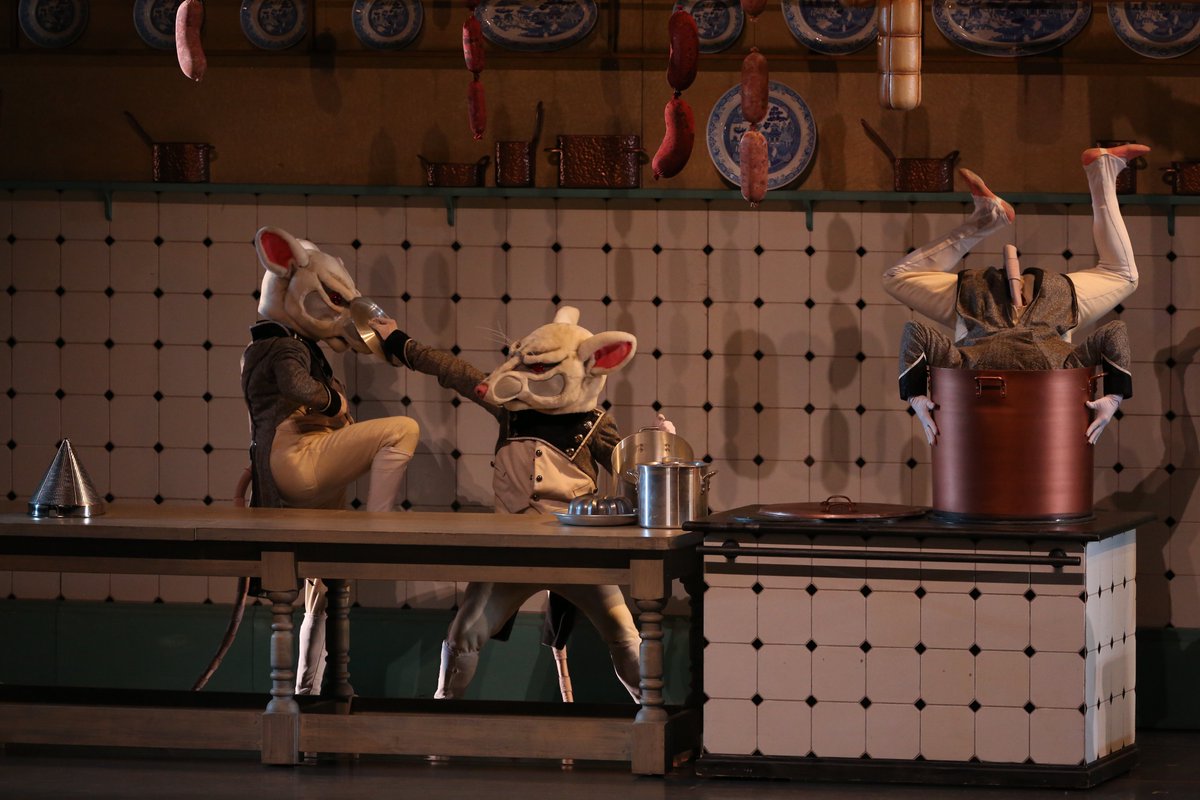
pixel 281 547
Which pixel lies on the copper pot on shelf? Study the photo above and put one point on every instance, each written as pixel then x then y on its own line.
pixel 1011 444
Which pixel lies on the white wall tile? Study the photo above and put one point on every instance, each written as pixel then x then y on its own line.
pixel 631 224
pixel 730 670
pixel 582 274
pixel 84 586
pixel 431 271
pixel 531 224
pixel 1002 678
pixel 36 215
pixel 838 730
pixel 182 218
pixel 893 730
pixel 36 316
pixel 730 727
pixel 1002 735
pixel 84 266
pixel 134 588
pixel 36 264
pixel 36 585
pixel 682 276
pixel 893 618
pixel 947 733
pixel 785 276
pixel 683 229
pixel 482 223
pixel 134 216
pixel 784 672
pixel 1056 736
pixel 835 276
pixel 133 266
pixel 784 728
pixel 82 216
pixel 1002 622
pixel 784 329
pixel 839 672
pixel 331 221
pixel 232 218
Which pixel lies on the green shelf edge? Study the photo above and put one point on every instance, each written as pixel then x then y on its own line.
pixel 451 195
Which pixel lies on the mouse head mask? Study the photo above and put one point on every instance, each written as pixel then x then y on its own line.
pixel 559 368
pixel 306 290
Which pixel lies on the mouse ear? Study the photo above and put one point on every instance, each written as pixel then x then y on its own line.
pixel 607 352
pixel 567 315
pixel 278 251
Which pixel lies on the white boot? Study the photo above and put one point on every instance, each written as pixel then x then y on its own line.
pixel 458 667
pixel 310 664
pixel 387 472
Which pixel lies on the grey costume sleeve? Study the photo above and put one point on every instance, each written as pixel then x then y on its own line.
pixel 451 372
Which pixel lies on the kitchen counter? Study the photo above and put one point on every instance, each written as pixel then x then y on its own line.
pixel 282 547
pixel 920 650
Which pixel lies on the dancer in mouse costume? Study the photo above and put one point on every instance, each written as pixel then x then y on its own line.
pixel 552 438
pixel 1005 319
pixel 305 448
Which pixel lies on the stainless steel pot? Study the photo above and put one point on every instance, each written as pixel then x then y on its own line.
pixel 647 446
pixel 671 493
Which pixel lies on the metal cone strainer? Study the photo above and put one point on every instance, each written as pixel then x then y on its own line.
pixel 66 490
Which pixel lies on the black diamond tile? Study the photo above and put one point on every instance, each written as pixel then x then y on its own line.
pixel 757 643
pixel 1030 594
pixel 1170 415
pixel 974 706
pixel 861 304
pixel 707 354
pixel 862 251
pixel 865 702
pixel 809 303
pixel 208 242
pixel 60 343
pixel 607 248
pixel 758 461
pixel 810 355
pixel 809 408
pixel 1118 308
pixel 919 704
pixel 158 292
pixel 158 396
pixel 920 591
pixel 1169 575
pixel 809 461
pixel 1171 308
pixel 758 302
pixel 758 250
pixel 158 241
pixel 809 251
pixel 860 409
pixel 109 240
pixel 454 401
pixel 1169 522
pixel 208 501
pixel 158 499
pixel 606 404
pixel 657 406
pixel 455 349
pixel 657 249
pixel 1029 651
pixel 356 504
pixel 656 353
pixel 756 699
pixel 657 301
pixel 108 395
pixel 1030 708
pixel 208 448
pixel 811 589
pixel 356 244
pixel 911 463
pixel 975 593
pixel 12 445
pixel 865 647
pixel 207 294
pixel 758 355
pixel 606 300
pixel 505 246
pixel 707 406
pixel 158 448
pixel 60 394
pixel 708 249
pixel 1067 255
pixel 556 247
pixel 405 244
pixel 708 302
pixel 865 591
pixel 1117 467
pixel 455 246
pixel 974 650
pixel 60 291
pixel 758 408
pixel 860 462
pixel 860 357
pixel 812 701
pixel 206 344
pixel 206 397
pixel 1171 255
pixel 109 446
pixel 406 401
pixel 454 298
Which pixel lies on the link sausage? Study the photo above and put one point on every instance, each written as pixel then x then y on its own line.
pixel 188 50
pixel 476 109
pixel 900 54
pixel 752 8
pixel 685 50
pixel 752 158
pixel 755 92
pixel 472 36
pixel 676 147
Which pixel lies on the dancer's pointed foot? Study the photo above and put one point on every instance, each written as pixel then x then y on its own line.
pixel 979 189
pixel 1128 152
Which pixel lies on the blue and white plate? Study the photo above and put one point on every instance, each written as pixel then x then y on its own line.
pixel 719 22
pixel 537 26
pixel 1019 28
pixel 831 27
pixel 53 23
pixel 274 24
pixel 155 22
pixel 1156 30
pixel 789 127
pixel 387 24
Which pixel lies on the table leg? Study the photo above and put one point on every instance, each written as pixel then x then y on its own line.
pixel 281 721
pixel 337 641
pixel 650 725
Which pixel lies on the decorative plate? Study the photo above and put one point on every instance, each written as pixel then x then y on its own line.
pixel 595 520
pixel 537 26
pixel 1156 30
pixel 274 24
pixel 387 24
pixel 829 26
pixel 53 23
pixel 719 22
pixel 155 22
pixel 789 127
pixel 1022 28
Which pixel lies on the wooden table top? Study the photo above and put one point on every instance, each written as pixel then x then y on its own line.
pixel 313 526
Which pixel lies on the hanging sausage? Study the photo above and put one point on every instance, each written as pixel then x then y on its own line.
pixel 680 134
pixel 188 50
pixel 754 162
pixel 473 55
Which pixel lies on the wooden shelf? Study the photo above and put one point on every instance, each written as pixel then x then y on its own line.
pixel 451 195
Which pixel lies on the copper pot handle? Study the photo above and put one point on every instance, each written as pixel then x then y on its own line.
pixel 842 500
pixel 992 383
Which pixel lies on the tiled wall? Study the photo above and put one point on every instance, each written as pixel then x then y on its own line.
pixel 770 346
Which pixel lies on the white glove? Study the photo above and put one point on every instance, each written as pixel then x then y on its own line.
pixel 664 424
pixel 1104 407
pixel 924 408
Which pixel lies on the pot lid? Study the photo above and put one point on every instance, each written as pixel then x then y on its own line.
pixel 838 507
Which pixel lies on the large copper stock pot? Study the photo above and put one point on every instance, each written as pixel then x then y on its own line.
pixel 1011 444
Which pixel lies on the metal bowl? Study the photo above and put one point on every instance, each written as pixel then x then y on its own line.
pixel 362 311
pixel 592 504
